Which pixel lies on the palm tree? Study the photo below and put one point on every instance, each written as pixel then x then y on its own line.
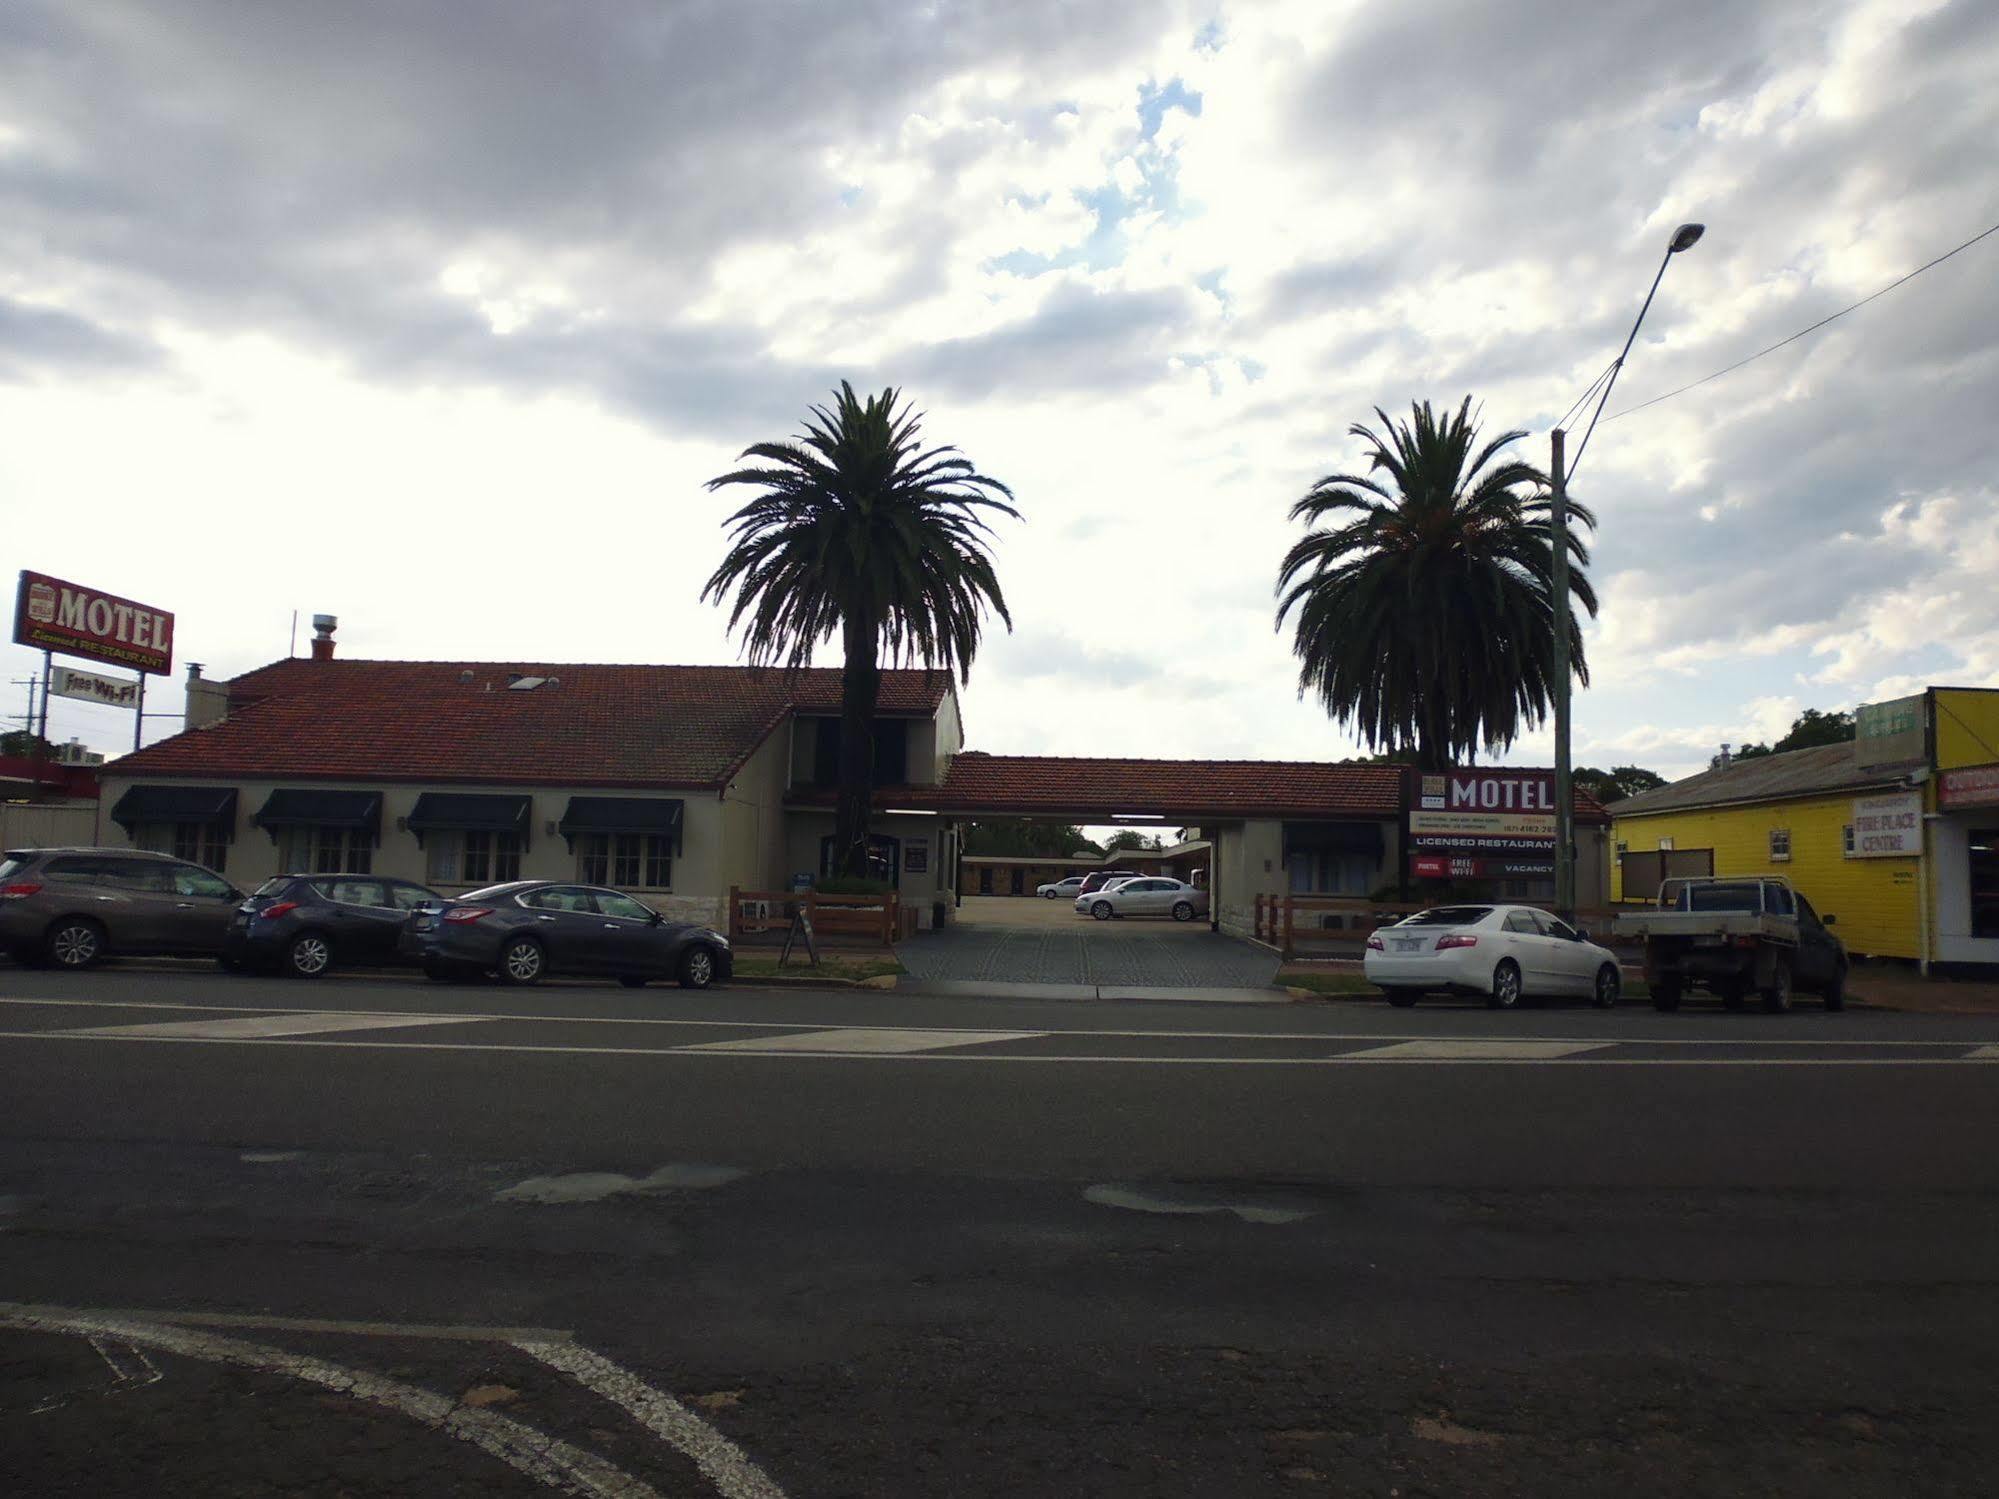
pixel 858 530
pixel 1425 616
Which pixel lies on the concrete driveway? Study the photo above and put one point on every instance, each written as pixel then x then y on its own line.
pixel 1024 940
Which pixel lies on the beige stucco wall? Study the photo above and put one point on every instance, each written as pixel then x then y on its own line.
pixel 1248 861
pixel 698 867
pixel 753 818
pixel 806 828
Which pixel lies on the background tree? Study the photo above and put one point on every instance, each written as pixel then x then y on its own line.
pixel 25 743
pixel 1024 837
pixel 1809 730
pixel 861 532
pixel 1424 618
pixel 1614 785
pixel 1131 838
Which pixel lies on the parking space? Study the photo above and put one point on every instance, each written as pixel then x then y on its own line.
pixel 997 939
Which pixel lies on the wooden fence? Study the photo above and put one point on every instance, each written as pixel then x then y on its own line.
pixel 873 920
pixel 1286 922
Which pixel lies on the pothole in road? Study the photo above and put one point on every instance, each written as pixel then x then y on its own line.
pixel 595 1186
pixel 1177 1200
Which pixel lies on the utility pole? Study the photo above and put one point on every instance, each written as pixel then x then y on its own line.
pixel 1565 794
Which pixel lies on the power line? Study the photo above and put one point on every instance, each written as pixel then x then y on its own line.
pixel 1803 331
pixel 1584 397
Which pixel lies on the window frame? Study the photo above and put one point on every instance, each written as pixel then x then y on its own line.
pixel 1780 845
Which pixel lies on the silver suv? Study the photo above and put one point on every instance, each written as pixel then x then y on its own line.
pixel 73 906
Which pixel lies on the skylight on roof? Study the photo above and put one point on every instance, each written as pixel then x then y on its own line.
pixel 525 684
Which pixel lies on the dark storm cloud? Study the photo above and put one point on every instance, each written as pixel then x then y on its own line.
pixel 47 341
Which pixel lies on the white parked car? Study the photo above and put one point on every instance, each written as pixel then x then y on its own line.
pixel 1069 887
pixel 1501 952
pixel 1144 895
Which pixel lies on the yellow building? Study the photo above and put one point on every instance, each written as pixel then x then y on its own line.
pixel 1895 834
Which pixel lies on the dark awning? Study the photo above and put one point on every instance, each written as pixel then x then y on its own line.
pixel 291 806
pixel 621 814
pixel 473 814
pixel 199 804
pixel 1335 837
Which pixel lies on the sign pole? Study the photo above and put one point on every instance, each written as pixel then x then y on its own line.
pixel 139 714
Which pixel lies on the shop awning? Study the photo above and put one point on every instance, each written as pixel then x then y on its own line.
pixel 291 806
pixel 621 814
pixel 438 810
pixel 1335 837
pixel 180 804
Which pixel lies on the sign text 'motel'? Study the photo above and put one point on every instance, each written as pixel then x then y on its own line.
pixel 52 615
pixel 1476 818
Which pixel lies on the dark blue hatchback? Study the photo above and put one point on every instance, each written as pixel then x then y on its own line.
pixel 304 924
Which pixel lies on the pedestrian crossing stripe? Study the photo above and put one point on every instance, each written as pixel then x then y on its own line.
pixel 1473 1051
pixel 261 1027
pixel 860 1041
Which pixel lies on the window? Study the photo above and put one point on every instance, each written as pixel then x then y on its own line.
pixel 559 898
pixel 1780 845
pixel 491 858
pixel 610 903
pixel 196 842
pixel 891 737
pixel 311 848
pixel 410 897
pixel 187 879
pixel 1846 840
pixel 353 892
pixel 1982 849
pixel 631 861
pixel 1523 922
pixel 1665 845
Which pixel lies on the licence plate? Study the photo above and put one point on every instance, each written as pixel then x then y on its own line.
pixel 1408 944
pixel 1710 942
pixel 423 923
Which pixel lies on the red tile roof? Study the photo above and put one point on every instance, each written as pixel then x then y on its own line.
pixel 1098 790
pixel 684 726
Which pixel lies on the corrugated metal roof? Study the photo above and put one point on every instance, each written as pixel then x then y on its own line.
pixel 1806 772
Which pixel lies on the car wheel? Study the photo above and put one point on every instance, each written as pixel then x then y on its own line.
pixel 521 961
pixel 1777 993
pixel 1102 910
pixel 1666 994
pixel 75 943
pixel 1049 893
pixel 1505 993
pixel 697 969
pixel 1607 985
pixel 308 956
pixel 1835 992
pixel 632 980
pixel 1404 999
pixel 1184 911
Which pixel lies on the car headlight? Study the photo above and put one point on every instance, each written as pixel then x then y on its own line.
pixel 717 938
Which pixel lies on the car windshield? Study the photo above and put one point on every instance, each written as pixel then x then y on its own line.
pixel 1744 895
pixel 10 865
pixel 1449 916
pixel 274 886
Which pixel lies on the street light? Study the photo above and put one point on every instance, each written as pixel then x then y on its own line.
pixel 1684 238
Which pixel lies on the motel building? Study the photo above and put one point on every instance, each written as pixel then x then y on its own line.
pixel 1895 834
pixel 680 783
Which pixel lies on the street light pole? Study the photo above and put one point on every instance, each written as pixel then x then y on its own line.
pixel 1565 795
pixel 1559 475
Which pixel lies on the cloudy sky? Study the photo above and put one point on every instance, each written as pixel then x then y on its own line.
pixel 435 317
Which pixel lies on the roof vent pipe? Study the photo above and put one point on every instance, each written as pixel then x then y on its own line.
pixel 1726 759
pixel 323 626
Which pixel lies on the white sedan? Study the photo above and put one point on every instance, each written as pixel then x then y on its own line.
pixel 1144 895
pixel 1061 887
pixel 1501 952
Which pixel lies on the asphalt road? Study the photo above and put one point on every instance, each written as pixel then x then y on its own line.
pixel 379 1237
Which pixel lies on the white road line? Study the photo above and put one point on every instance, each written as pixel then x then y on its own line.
pixel 720 1460
pixel 254 1321
pixel 1482 1050
pixel 860 1041
pixel 802 1025
pixel 546 1459
pixel 260 1027
pixel 1983 1054
pixel 994 1059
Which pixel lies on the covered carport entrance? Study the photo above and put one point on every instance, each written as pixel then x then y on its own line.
pixel 1242 809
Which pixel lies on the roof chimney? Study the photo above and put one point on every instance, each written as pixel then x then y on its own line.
pixel 323 626
pixel 1726 758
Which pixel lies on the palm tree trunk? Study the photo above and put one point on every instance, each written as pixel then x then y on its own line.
pixel 860 688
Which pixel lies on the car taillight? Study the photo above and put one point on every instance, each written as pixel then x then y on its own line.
pixel 1375 944
pixel 278 908
pixel 1745 941
pixel 19 892
pixel 1456 939
pixel 467 913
